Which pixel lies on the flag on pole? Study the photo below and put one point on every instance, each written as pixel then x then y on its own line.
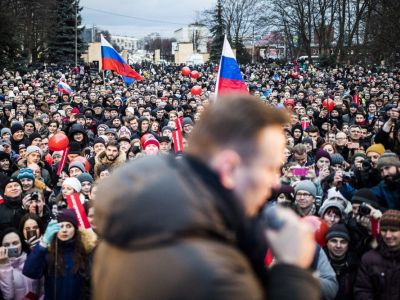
pixel 230 79
pixel 63 87
pixel 73 201
pixel 111 60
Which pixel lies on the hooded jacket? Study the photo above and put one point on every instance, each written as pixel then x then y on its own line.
pixel 15 285
pixel 176 233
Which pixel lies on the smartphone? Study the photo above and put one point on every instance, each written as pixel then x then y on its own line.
pixel 12 252
pixel 13 112
pixel 300 171
pixel 30 234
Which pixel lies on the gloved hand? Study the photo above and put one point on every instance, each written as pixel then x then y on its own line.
pixel 51 230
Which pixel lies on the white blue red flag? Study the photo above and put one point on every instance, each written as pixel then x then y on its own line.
pixel 230 79
pixel 63 87
pixel 111 60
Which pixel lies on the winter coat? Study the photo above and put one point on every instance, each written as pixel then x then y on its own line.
pixel 69 285
pixel 379 275
pixel 388 196
pixel 346 271
pixel 11 212
pixel 176 233
pixel 327 277
pixel 16 286
pixel 101 159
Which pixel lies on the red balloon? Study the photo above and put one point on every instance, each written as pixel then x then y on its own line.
pixel 319 227
pixel 196 90
pixel 84 161
pixel 329 104
pixel 185 71
pixel 58 142
pixel 194 74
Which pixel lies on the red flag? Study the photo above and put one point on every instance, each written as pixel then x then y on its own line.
pixel 75 203
pixel 177 135
pixel 62 162
pixel 356 99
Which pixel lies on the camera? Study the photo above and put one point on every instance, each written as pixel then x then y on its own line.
pixel 35 196
pixel 364 210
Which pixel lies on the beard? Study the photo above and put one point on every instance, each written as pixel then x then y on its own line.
pixel 111 158
pixel 392 181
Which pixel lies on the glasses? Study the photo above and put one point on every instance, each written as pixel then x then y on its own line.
pixel 299 195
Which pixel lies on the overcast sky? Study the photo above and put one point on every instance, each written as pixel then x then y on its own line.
pixel 146 16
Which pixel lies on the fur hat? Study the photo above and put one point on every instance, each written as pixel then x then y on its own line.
pixel 388 159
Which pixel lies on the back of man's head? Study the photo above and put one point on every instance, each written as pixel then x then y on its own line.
pixel 233 122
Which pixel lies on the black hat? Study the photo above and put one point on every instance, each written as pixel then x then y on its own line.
pixel 365 195
pixel 338 230
pixel 33 136
pixel 124 139
pixel 17 126
pixel 164 139
pixel 10 180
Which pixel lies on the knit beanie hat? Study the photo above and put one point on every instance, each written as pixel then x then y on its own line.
pixel 26 173
pixel 151 141
pixel 359 154
pixel 33 136
pixel 367 196
pixel 4 131
pixel 338 230
pixel 167 128
pixel 85 177
pixel 57 153
pixel 4 155
pixel 33 149
pixel 306 185
pixel 322 153
pixel 77 164
pixel 390 220
pixel 68 215
pixel 74 183
pixel 332 203
pixel 17 126
pixel 377 148
pixel 124 129
pixel 388 159
pixel 104 126
pixel 337 159
pixel 187 121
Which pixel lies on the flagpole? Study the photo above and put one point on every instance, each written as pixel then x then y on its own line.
pixel 219 71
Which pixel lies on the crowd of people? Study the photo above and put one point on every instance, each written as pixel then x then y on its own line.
pixel 341 164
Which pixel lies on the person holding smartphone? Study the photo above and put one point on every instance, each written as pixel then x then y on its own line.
pixel 13 284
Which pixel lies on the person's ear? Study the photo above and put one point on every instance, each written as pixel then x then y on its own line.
pixel 225 164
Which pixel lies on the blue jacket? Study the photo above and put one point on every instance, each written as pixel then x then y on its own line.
pixel 388 198
pixel 68 285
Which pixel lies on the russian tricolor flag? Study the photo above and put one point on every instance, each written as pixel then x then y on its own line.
pixel 63 87
pixel 230 79
pixel 111 60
